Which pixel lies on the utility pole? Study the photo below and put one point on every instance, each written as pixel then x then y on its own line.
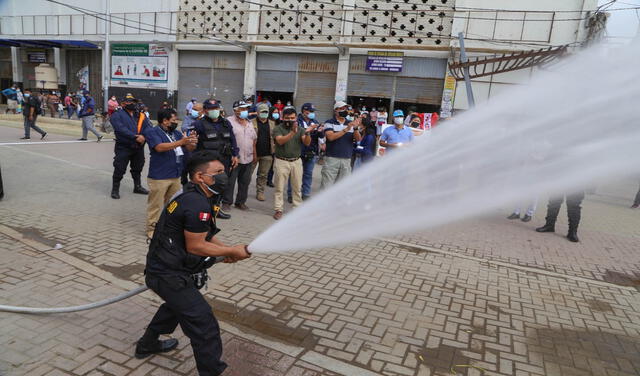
pixel 106 57
pixel 467 80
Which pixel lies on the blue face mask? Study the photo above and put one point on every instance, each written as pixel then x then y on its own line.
pixel 349 118
pixel 26 95
pixel 312 115
pixel 244 114
pixel 276 116
pixel 195 114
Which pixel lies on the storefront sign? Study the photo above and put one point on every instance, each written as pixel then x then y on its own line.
pixel 139 63
pixel 37 56
pixel 384 61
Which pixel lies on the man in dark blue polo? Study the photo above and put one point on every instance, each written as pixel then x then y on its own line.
pixel 129 125
pixel 340 132
pixel 167 147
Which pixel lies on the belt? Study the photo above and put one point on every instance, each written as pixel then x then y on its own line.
pixel 289 159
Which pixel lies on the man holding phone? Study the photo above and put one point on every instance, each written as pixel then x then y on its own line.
pixel 340 132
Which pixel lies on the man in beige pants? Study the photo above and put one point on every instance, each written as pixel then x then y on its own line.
pixel 288 165
pixel 166 165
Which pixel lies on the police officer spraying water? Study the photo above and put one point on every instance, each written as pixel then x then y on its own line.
pixel 184 245
pixel 215 133
pixel 128 125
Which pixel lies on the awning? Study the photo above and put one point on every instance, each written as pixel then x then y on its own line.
pixel 40 43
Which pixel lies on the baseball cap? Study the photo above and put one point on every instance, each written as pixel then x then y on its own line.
pixel 339 104
pixel 240 104
pixel 398 113
pixel 262 107
pixel 129 98
pixel 85 92
pixel 308 107
pixel 194 99
pixel 210 105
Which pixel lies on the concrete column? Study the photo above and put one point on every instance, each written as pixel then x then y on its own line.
pixel 250 71
pixel 60 62
pixel 16 65
pixel 342 76
pixel 250 57
pixel 172 73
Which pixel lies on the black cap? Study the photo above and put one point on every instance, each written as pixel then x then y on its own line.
pixel 129 98
pixel 308 107
pixel 210 105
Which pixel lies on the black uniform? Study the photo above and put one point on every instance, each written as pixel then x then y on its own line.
pixel 574 202
pixel 1 188
pixel 127 150
pixel 173 273
pixel 217 136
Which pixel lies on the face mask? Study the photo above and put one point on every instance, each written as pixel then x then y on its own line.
pixel 244 114
pixel 195 114
pixel 276 116
pixel 172 127
pixel 349 118
pixel 263 115
pixel 312 115
pixel 213 114
pixel 27 95
pixel 217 188
pixel 398 120
pixel 130 106
pixel 415 124
pixel 343 113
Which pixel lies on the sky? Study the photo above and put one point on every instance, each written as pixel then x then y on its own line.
pixel 623 23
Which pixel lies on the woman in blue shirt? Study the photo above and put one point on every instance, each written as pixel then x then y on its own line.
pixel 365 150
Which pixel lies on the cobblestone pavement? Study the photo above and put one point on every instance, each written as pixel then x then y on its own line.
pixel 484 296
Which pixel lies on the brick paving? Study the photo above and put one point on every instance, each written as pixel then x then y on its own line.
pixel 379 306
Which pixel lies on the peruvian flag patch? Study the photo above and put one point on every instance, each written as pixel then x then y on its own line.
pixel 204 216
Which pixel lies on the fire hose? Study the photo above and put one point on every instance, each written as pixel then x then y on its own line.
pixel 84 307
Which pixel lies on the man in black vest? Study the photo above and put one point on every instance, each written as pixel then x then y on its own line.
pixel 183 247
pixel 215 133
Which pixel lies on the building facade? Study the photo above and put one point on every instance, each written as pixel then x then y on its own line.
pixel 390 54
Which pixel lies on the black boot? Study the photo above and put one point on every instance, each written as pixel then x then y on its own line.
pixel 138 188
pixel 573 234
pixel 115 189
pixel 150 344
pixel 548 227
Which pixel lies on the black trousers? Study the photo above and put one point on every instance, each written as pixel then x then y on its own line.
pixel 636 202
pixel 242 174
pixel 125 155
pixel 574 202
pixel 185 305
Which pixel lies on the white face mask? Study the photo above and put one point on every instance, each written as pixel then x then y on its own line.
pixel 398 120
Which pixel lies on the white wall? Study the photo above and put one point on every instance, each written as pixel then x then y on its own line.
pixel 543 33
pixel 43 7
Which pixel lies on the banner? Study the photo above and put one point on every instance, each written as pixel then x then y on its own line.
pixel 139 63
pixel 448 95
pixel 83 77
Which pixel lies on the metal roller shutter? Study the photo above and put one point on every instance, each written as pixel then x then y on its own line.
pixel 273 80
pixel 227 87
pixel 193 83
pixel 319 89
pixel 419 90
pixel 370 85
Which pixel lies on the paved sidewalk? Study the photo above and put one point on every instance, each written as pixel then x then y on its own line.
pixel 436 306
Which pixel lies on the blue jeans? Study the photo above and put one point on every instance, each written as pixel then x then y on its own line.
pixel 307 177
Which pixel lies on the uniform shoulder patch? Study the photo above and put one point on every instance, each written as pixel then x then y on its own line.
pixel 172 207
pixel 204 216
